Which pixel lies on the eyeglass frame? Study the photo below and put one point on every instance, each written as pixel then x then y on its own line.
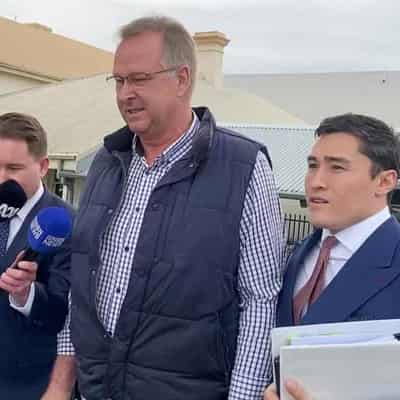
pixel 146 76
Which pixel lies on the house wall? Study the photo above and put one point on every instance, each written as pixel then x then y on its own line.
pixel 13 83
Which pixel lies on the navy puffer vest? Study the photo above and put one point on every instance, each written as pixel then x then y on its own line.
pixel 176 335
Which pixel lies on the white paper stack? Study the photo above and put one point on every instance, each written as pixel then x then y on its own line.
pixel 344 361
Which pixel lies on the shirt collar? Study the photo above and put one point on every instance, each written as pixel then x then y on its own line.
pixel 355 235
pixel 26 209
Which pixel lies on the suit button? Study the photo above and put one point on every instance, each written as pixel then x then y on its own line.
pixel 141 272
pixel 155 206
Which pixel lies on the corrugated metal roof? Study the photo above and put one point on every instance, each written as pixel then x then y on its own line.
pixel 288 148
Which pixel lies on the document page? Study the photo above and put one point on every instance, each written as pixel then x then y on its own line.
pixel 341 361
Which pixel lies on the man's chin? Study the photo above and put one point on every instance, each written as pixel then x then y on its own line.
pixel 317 221
pixel 135 127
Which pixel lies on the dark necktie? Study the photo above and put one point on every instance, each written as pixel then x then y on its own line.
pixel 309 293
pixel 4 231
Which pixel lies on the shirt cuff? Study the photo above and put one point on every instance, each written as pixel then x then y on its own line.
pixel 26 309
pixel 246 388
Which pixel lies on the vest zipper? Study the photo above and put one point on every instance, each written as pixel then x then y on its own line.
pixel 124 174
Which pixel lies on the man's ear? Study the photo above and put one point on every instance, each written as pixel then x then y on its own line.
pixel 184 76
pixel 387 182
pixel 44 166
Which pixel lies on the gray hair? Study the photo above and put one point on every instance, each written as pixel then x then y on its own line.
pixel 178 45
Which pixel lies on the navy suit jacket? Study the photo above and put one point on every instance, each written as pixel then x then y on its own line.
pixel 28 345
pixel 366 288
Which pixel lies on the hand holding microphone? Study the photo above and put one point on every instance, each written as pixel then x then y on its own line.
pixel 47 233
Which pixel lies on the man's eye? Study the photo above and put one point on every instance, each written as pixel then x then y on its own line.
pixel 312 165
pixel 138 79
pixel 338 167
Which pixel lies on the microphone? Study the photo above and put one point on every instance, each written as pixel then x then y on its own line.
pixel 12 199
pixel 47 232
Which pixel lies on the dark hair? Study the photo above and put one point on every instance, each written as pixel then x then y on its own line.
pixel 377 140
pixel 26 128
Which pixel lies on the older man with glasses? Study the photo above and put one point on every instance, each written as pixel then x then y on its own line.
pixel 177 246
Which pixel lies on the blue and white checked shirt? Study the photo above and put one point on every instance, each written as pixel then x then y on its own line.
pixel 259 273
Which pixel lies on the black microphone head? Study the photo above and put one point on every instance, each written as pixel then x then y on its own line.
pixel 12 199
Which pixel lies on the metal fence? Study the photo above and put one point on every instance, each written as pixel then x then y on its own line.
pixel 296 227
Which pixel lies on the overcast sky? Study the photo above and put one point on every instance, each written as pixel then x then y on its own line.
pixel 267 36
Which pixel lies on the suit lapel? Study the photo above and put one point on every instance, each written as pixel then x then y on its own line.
pixel 296 260
pixel 20 241
pixel 367 272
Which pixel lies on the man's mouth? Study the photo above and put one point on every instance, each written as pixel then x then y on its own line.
pixel 317 200
pixel 135 110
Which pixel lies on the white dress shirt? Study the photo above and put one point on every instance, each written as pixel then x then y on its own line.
pixel 349 241
pixel 15 225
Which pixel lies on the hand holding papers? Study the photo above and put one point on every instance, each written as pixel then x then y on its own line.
pixel 344 361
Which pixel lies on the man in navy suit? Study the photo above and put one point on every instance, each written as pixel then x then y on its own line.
pixel 352 169
pixel 33 297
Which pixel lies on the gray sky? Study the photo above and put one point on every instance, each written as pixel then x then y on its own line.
pixel 267 36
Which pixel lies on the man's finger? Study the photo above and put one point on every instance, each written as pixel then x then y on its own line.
pixel 270 393
pixel 19 257
pixel 12 288
pixel 26 274
pixel 296 390
pixel 27 266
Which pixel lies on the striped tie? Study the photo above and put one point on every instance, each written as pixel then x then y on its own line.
pixel 310 292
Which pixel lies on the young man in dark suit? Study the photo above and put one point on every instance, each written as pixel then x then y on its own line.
pixel 33 298
pixel 352 169
pixel 349 268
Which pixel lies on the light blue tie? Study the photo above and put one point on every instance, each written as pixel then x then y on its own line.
pixel 4 231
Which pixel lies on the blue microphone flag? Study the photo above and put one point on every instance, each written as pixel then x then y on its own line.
pixel 49 229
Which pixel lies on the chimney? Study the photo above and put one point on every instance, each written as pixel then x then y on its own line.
pixel 210 53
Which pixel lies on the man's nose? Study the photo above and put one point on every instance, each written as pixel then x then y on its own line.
pixel 318 179
pixel 126 91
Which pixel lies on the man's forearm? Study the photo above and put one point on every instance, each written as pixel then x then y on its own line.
pixel 62 379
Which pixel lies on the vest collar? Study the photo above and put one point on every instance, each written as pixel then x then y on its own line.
pixel 121 140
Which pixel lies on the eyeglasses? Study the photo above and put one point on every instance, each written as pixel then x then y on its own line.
pixel 137 78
